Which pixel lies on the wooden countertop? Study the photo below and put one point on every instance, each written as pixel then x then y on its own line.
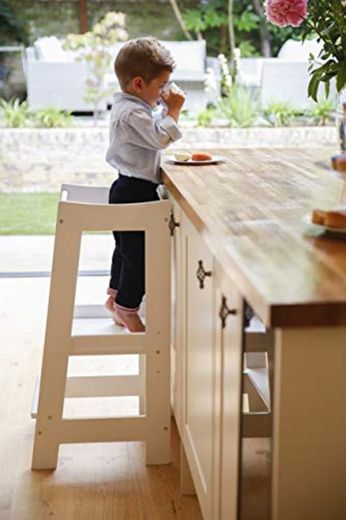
pixel 251 211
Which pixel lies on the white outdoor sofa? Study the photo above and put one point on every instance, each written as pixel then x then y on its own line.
pixel 54 78
pixel 282 79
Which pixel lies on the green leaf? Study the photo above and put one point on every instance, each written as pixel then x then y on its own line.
pixel 313 85
pixel 327 88
pixel 194 21
pixel 214 19
pixel 246 22
pixel 341 78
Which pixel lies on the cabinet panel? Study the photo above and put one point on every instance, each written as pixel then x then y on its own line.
pixel 178 313
pixel 206 359
pixel 199 361
pixel 229 338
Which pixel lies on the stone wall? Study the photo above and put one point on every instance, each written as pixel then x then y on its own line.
pixel 40 160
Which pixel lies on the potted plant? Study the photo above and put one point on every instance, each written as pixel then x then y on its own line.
pixel 95 47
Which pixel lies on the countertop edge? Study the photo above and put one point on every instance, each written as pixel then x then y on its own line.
pixel 274 315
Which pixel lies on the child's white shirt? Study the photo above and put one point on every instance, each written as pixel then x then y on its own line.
pixel 137 136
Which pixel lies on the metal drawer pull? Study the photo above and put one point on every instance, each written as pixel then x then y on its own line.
pixel 225 311
pixel 201 274
pixel 172 224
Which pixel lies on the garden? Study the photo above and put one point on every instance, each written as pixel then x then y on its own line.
pixel 43 146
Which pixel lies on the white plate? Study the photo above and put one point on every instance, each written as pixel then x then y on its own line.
pixel 216 159
pixel 340 231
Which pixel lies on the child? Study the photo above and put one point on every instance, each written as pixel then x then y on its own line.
pixel 143 67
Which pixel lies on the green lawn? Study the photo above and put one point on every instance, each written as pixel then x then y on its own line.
pixel 28 213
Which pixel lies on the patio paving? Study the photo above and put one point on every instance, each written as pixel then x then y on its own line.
pixel 19 254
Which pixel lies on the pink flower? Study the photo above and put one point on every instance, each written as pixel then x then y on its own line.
pixel 286 12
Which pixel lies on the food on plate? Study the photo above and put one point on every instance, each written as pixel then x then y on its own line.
pixel 339 162
pixel 336 219
pixel 182 156
pixel 318 216
pixel 201 156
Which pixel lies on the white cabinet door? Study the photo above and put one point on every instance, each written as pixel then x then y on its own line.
pixel 199 369
pixel 178 310
pixel 228 338
pixel 206 386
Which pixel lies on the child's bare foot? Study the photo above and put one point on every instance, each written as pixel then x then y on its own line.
pixel 131 320
pixel 109 304
pixel 117 318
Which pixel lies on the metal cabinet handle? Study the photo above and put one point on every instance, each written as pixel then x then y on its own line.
pixel 172 224
pixel 225 311
pixel 201 273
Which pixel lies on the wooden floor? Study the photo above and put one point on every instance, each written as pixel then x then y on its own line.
pixel 92 482
pixel 255 479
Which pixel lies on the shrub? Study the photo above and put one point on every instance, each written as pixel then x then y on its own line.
pixel 205 116
pixel 280 113
pixel 253 34
pixel 52 118
pixel 13 25
pixel 239 107
pixel 14 114
pixel 95 47
pixel 235 103
pixel 322 112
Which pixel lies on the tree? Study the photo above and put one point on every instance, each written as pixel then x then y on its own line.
pixel 225 24
pixel 263 31
pixel 13 28
pixel 95 47
pixel 180 19
pixel 232 43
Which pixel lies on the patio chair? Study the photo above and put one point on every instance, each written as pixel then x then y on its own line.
pixel 285 81
pixel 298 50
pixel 54 78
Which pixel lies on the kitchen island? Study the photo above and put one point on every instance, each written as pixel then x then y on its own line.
pixel 242 238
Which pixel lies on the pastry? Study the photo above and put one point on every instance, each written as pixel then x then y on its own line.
pixel 339 162
pixel 335 219
pixel 201 156
pixel 318 216
pixel 182 156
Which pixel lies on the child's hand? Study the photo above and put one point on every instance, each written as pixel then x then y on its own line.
pixel 174 100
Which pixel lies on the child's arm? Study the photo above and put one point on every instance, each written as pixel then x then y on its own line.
pixel 174 100
pixel 146 132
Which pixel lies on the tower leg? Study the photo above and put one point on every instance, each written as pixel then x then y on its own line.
pixel 57 344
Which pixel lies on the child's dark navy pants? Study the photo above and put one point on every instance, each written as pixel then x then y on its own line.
pixel 128 262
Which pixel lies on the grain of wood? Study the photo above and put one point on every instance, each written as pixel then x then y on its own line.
pixel 255 479
pixel 93 481
pixel 252 212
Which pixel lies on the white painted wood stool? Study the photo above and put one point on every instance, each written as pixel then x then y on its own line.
pixel 80 330
pixel 257 380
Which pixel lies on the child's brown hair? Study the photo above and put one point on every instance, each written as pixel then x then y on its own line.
pixel 144 57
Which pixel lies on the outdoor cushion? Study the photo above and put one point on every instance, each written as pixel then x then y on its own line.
pixel 300 51
pixel 188 55
pixel 56 78
pixel 49 48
